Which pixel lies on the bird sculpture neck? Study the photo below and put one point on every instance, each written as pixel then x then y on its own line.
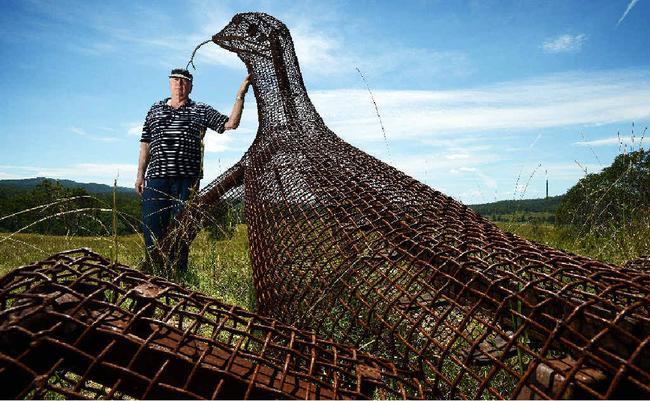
pixel 282 99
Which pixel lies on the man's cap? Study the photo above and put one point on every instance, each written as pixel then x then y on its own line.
pixel 181 73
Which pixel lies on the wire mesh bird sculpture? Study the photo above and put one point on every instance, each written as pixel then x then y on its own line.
pixel 352 248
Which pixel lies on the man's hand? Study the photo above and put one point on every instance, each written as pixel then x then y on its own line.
pixel 244 85
pixel 143 160
pixel 139 185
pixel 238 107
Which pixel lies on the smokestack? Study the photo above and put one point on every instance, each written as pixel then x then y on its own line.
pixel 546 173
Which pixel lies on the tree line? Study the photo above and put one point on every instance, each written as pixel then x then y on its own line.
pixel 521 210
pixel 50 208
pixel 617 196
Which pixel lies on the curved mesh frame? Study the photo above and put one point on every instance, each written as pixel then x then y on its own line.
pixel 355 250
pixel 78 326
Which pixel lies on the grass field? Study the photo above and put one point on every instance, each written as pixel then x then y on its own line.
pixel 616 245
pixel 217 268
pixel 222 268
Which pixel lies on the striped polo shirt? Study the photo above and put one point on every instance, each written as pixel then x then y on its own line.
pixel 175 138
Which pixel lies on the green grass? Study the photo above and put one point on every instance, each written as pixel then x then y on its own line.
pixel 220 269
pixel 22 249
pixel 614 245
pixel 523 217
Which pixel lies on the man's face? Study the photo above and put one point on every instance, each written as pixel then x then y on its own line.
pixel 180 87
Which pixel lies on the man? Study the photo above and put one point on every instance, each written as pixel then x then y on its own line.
pixel 171 152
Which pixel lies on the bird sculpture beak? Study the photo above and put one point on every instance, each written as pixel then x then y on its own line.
pixel 226 40
pixel 219 37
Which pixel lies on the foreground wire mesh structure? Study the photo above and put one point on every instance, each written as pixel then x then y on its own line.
pixel 352 249
pixel 79 326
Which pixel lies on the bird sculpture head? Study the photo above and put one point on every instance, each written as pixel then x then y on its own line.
pixel 253 34
pixel 264 44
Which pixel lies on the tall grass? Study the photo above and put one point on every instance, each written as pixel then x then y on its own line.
pixel 21 249
pixel 222 268
pixel 219 268
pixel 605 216
pixel 616 245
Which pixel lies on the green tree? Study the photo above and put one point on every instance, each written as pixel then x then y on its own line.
pixel 617 195
pixel 50 208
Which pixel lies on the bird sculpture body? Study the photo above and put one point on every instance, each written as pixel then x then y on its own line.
pixel 350 247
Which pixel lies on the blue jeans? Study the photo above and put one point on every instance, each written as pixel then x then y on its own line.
pixel 162 200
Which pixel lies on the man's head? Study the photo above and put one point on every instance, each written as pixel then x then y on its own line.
pixel 180 83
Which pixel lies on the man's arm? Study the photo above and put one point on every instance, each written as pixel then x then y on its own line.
pixel 143 161
pixel 235 114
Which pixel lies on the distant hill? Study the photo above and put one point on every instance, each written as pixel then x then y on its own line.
pixel 29 183
pixel 64 207
pixel 504 210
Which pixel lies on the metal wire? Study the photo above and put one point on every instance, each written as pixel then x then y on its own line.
pixel 349 248
pixel 76 325
pixel 641 263
pixel 355 250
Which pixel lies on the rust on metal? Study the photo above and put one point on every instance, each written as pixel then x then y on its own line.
pixel 420 295
pixel 78 326
pixel 641 264
pixel 550 380
pixel 353 249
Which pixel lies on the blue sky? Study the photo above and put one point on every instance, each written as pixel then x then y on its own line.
pixel 480 99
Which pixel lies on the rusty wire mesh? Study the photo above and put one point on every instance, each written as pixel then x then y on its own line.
pixel 355 250
pixel 352 249
pixel 78 326
pixel 641 264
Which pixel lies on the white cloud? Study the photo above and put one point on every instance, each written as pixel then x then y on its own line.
pixel 214 168
pixel 214 55
pixel 9 176
pixel 545 102
pixel 630 5
pixel 322 53
pixel 81 172
pixel 217 143
pixel 463 170
pixel 568 171
pixel 403 62
pixel 134 129
pixel 457 156
pixel 234 140
pixel 322 50
pixel 436 166
pixel 115 170
pixel 615 140
pixel 93 49
pixel 82 132
pixel 565 44
pixel 319 53
pixel 487 180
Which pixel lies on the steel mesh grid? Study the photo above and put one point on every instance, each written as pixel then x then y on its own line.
pixel 78 326
pixel 641 264
pixel 352 248
pixel 202 209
